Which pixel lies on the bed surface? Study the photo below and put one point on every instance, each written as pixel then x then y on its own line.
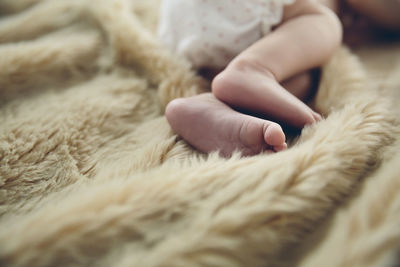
pixel 92 175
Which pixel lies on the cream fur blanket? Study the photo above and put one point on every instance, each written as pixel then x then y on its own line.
pixel 91 174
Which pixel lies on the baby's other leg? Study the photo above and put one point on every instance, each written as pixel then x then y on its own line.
pixel 386 13
pixel 209 125
pixel 307 38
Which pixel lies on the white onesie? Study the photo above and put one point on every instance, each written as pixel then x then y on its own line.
pixel 210 33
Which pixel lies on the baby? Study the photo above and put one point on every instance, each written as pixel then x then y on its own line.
pixel 262 52
pixel 367 21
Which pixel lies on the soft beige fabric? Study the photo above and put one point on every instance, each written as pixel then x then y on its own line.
pixel 91 174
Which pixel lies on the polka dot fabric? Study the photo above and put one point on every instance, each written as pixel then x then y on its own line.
pixel 210 33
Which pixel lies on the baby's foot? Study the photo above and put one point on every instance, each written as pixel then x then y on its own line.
pixel 210 125
pixel 246 87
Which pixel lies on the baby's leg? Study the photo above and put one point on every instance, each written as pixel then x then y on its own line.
pixel 383 12
pixel 210 125
pixel 307 38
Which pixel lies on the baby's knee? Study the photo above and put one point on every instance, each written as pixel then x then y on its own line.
pixel 385 13
pixel 355 3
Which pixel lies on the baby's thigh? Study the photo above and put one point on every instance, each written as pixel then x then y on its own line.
pixel 383 12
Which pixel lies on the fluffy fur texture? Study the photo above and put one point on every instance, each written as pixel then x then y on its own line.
pixel 91 174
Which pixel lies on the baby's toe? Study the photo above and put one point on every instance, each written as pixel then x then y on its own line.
pixel 273 134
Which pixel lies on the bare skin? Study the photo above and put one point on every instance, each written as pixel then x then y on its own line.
pixel 252 81
pixel 367 21
pixel 229 131
pixel 385 13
